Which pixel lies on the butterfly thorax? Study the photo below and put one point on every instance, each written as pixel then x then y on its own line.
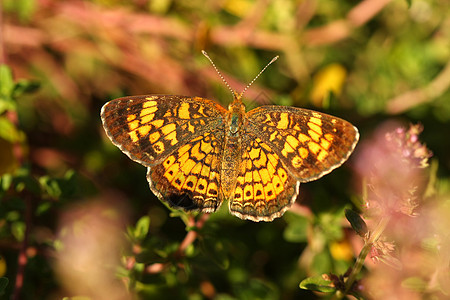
pixel 232 153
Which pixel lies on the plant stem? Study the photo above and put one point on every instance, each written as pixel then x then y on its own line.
pixel 375 235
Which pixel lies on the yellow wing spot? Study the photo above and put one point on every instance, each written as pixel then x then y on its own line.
pixel 150 101
pixel 316 121
pixel 292 141
pixel 283 175
pixel 205 171
pixel 131 118
pixel 256 176
pixel 178 181
pixel 314 147
pixel 322 155
pixel 248 192
pixel 133 136
pixel 168 113
pixel 273 159
pixel 169 161
pixel 238 194
pixel 325 144
pixel 147 118
pixel 212 190
pixel 188 166
pixel 159 147
pixel 183 159
pixel 206 147
pixel 183 112
pixel 315 127
pixel 154 137
pixel 329 137
pixel 157 123
pixel 248 176
pixel 271 170
pixel 190 183
pixel 262 161
pixel 184 149
pixel 333 121
pixel 149 110
pixel 143 130
pixel 278 185
pixel 197 169
pixel 172 171
pixel 273 136
pixel 191 128
pixel 265 177
pixel 172 137
pixel 297 161
pixel 317 115
pixel 195 152
pixel 201 185
pixel 254 153
pixel 287 149
pixel 268 120
pixel 284 122
pixel 303 138
pixel 168 128
pixel 133 124
pixel 296 127
pixel 303 152
pixel 240 180
pixel 249 164
pixel 259 191
pixel 314 135
pixel 269 192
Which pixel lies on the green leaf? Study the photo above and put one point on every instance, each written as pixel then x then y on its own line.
pixel 9 132
pixel 6 181
pixel 142 227
pixel 318 284
pixel 6 81
pixel 18 230
pixel 3 284
pixel 25 87
pixel 356 221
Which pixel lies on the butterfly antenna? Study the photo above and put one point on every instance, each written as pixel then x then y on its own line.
pixel 259 74
pixel 218 72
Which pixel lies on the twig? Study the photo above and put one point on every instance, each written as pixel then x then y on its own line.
pixel 374 236
pixel 416 97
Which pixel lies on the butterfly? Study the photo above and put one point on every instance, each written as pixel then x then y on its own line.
pixel 198 153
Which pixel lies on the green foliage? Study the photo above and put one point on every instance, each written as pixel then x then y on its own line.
pixel 318 284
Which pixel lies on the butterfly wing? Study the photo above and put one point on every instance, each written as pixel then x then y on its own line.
pixel 264 187
pixel 310 144
pixel 178 138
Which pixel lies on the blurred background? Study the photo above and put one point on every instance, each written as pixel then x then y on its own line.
pixel 76 215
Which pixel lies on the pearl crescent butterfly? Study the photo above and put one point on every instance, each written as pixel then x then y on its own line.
pixel 199 154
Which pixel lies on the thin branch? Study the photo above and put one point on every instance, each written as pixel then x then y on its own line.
pixel 426 94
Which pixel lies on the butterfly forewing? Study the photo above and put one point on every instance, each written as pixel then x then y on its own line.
pixel 149 128
pixel 310 144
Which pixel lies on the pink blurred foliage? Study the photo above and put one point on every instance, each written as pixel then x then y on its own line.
pixel 413 247
pixel 91 236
